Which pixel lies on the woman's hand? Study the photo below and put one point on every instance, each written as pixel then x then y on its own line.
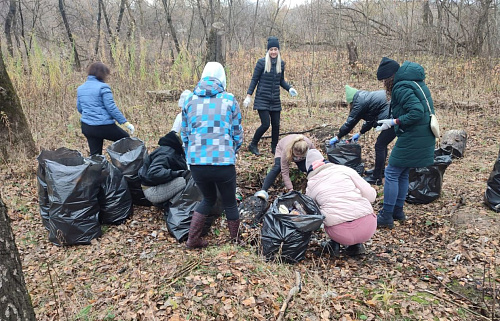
pixel 247 101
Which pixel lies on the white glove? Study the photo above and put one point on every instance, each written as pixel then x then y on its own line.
pixel 385 124
pixel 130 128
pixel 293 92
pixel 247 101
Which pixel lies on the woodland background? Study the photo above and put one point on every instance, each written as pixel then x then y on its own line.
pixel 443 264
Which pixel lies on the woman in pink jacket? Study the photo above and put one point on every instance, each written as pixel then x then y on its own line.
pixel 344 198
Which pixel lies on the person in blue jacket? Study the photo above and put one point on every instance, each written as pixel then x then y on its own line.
pixel 212 135
pixel 371 106
pixel 98 109
pixel 163 171
pixel 410 120
pixel 268 76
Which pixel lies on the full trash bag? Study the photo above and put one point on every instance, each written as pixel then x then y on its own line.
pixel 74 207
pixel 127 154
pixel 426 182
pixel 346 153
pixel 63 156
pixel 115 200
pixel 286 236
pixel 178 215
pixel 454 141
pixel 492 194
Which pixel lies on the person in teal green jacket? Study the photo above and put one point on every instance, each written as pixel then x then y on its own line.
pixel 415 141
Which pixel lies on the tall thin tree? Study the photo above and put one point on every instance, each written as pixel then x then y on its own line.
pixel 8 25
pixel 62 10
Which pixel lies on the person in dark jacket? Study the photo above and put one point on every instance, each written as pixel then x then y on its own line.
pixel 212 135
pixel 163 171
pixel 268 76
pixel 410 120
pixel 371 106
pixel 99 112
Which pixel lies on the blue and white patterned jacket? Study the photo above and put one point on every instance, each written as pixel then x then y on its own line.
pixel 211 125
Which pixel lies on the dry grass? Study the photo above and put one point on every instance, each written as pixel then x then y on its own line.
pixel 134 271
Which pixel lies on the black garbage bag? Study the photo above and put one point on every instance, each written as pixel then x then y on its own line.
pixel 426 182
pixel 252 209
pixel 286 236
pixel 346 153
pixel 74 207
pixel 127 154
pixel 492 194
pixel 63 156
pixel 178 215
pixel 114 197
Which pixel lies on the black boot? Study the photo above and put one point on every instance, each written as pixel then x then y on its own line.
pixel 370 172
pixel 195 229
pixel 372 180
pixel 385 219
pixel 398 214
pixel 253 148
pixel 331 247
pixel 273 148
pixel 356 249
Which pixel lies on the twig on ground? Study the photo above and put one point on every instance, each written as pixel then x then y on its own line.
pixel 301 132
pixel 297 288
pixel 184 270
pixel 458 305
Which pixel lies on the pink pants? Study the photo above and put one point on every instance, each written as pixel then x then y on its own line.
pixel 354 232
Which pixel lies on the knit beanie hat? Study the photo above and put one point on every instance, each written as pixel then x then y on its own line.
pixel 183 97
pixel 387 68
pixel 313 155
pixel 273 42
pixel 349 93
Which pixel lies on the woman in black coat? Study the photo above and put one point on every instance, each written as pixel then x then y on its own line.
pixel 162 174
pixel 268 76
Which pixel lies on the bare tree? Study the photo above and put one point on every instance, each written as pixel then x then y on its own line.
pixel 168 6
pixel 62 10
pixel 8 24
pixel 16 302
pixel 15 135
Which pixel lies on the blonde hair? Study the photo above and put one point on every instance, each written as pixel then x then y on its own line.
pixel 299 146
pixel 268 63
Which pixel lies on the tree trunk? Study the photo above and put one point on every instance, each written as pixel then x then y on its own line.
pixel 166 6
pixel 70 35
pixel 15 136
pixel 8 24
pixel 216 44
pixel 120 16
pixel 98 38
pixel 15 303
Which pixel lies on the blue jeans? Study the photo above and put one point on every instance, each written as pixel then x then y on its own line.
pixel 395 187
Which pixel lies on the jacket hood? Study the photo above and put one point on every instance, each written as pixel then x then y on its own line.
pixel 172 140
pixel 208 87
pixel 410 71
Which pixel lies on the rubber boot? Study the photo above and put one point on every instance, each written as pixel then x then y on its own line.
pixel 356 249
pixel 331 247
pixel 195 229
pixel 234 228
pixel 372 180
pixel 385 219
pixel 398 214
pixel 253 148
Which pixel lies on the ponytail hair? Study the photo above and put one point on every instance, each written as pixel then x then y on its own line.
pixel 299 146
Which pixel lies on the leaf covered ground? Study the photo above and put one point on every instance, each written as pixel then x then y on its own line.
pixel 443 263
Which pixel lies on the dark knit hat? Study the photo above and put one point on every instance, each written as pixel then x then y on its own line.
pixel 273 42
pixel 387 68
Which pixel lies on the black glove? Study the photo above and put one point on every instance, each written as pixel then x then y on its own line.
pixel 186 173
pixel 178 173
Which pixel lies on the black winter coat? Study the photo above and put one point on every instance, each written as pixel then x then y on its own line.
pixel 268 85
pixel 165 163
pixel 370 106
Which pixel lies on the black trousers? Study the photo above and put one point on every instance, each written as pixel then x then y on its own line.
pixel 268 118
pixel 209 178
pixel 276 170
pixel 383 140
pixel 97 134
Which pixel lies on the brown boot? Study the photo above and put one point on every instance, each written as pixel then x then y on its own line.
pixel 195 229
pixel 234 228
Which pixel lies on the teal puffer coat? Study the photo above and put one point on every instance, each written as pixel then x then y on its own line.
pixel 415 144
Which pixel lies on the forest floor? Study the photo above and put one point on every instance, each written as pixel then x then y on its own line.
pixel 443 263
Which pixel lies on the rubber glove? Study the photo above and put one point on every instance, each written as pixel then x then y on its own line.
pixel 334 141
pixel 355 137
pixel 247 101
pixel 130 128
pixel 185 173
pixel 385 124
pixel 293 92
